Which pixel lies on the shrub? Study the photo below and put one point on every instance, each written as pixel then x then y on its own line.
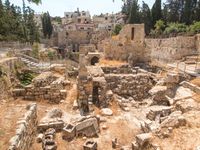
pixel 117 29
pixel 50 55
pixel 159 26
pixel 195 28
pixel 175 28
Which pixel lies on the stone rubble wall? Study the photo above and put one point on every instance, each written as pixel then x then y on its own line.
pixel 84 92
pixel 198 42
pixel 139 49
pixel 129 85
pixel 123 69
pixel 26 130
pixel 117 50
pixel 53 92
pixel 170 49
pixel 126 45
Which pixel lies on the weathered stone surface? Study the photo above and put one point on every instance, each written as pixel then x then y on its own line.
pixel 106 112
pixel 162 111
pixel 175 120
pixel 130 85
pixel 55 113
pixel 187 105
pixel 88 127
pixel 158 93
pixel 142 139
pixel 90 145
pixel 69 132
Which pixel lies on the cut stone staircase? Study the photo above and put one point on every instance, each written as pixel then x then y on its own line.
pixel 33 63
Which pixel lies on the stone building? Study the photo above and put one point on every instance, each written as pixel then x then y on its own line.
pixel 127 46
pixel 82 17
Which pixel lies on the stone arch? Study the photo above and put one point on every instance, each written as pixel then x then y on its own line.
pixel 94 60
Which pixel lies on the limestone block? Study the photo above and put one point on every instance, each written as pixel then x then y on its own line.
pixel 187 105
pixel 143 139
pixel 106 112
pixel 175 120
pixel 90 145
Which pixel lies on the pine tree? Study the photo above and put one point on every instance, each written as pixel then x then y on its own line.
pixel 156 11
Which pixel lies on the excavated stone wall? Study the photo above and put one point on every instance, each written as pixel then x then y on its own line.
pixel 44 87
pixel 123 69
pixel 26 130
pixel 130 85
pixel 170 49
pixel 198 42
pixel 130 45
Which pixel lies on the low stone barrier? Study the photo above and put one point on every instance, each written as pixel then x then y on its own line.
pixel 26 130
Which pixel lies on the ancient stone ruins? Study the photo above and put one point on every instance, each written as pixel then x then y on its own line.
pixel 125 92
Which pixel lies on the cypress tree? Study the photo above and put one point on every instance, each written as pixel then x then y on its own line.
pixel 156 11
pixel 146 17
pixel 134 13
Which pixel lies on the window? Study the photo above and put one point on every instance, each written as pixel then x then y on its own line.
pixel 132 33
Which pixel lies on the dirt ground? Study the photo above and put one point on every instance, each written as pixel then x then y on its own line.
pixel 122 125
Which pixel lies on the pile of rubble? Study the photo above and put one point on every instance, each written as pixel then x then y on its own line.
pixel 55 121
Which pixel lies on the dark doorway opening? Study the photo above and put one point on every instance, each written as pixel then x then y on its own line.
pixel 132 33
pixel 94 60
pixel 95 95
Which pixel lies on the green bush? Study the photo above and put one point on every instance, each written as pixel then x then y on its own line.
pixel 26 77
pixel 175 28
pixel 117 29
pixel 50 55
pixel 159 26
pixel 195 27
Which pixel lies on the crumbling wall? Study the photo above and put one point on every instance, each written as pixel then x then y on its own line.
pixel 130 85
pixel 170 49
pixel 128 45
pixel 123 69
pixel 26 130
pixel 44 87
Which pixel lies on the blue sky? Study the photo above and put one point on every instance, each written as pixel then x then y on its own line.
pixel 58 7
